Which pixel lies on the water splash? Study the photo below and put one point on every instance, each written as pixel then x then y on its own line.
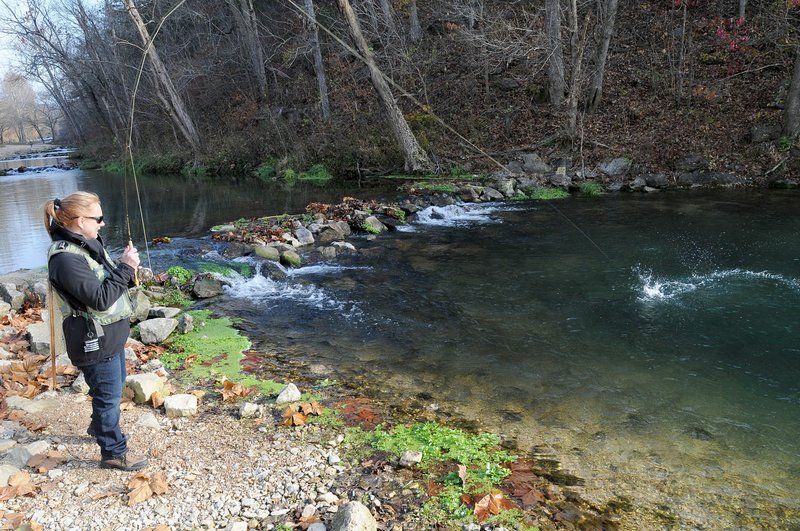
pixel 655 289
pixel 458 215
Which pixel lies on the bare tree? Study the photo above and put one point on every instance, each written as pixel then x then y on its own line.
pixel 415 29
pixel 416 160
pixel 319 66
pixel 607 15
pixel 173 101
pixel 555 63
pixel 791 116
pixel 247 24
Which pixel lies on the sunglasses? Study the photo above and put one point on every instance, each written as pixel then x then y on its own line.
pixel 98 219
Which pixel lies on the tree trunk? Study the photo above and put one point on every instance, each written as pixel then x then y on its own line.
pixel 791 120
pixel 555 68
pixel 608 16
pixel 577 71
pixel 416 29
pixel 245 15
pixel 742 8
pixel 319 66
pixel 416 160
pixel 176 108
pixel 386 8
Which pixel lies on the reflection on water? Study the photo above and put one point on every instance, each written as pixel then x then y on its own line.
pixel 668 375
pixel 172 206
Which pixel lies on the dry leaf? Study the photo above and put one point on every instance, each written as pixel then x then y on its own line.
pixel 157 400
pixel 234 391
pixel 139 494
pixel 199 393
pixel 292 417
pixel 159 484
pixel 126 404
pixel 101 495
pixel 462 474
pixel 492 504
pixel 311 408
pixel 308 521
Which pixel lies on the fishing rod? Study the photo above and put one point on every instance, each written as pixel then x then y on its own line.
pixel 129 143
pixel 436 118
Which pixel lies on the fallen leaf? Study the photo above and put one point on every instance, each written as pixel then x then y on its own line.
pixel 159 484
pixel 462 474
pixel 492 504
pixel 139 494
pixel 126 405
pixel 234 391
pixel 157 400
pixel 292 417
pixel 308 521
pixel 311 408
pixel 199 393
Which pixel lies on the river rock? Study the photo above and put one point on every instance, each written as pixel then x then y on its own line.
pixel 353 516
pixel 327 253
pixel 6 445
pixel 410 458
pixel 80 385
pixel 144 385
pixel 708 178
pixel 616 167
pixel 163 311
pixel 506 186
pixel 6 471
pixel 268 252
pixel 764 133
pixel 27 405
pixel 141 306
pixel 185 323
pixel 304 236
pixel 560 177
pixel 691 162
pixel 291 259
pixel 249 410
pixel 533 163
pixel 470 193
pixel 39 338
pixel 656 180
pixel 5 308
pixel 205 288
pixel 236 250
pixel 156 330
pixel 491 194
pixel 290 393
pixel 180 405
pixel 10 294
pixel 291 240
pixel 342 226
pixel 637 184
pixel 342 246
pixel 373 225
pixel 149 420
pixel 328 234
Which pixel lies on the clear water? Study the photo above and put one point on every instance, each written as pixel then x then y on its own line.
pixel 667 374
pixel 172 206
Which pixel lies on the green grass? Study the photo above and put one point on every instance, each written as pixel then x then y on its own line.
pixel 113 166
pixel 370 229
pixel 89 164
pixel 195 170
pixel 266 171
pixel 592 189
pixel 549 193
pixel 177 299
pixel 446 188
pixel 241 268
pixel 317 174
pixel 518 197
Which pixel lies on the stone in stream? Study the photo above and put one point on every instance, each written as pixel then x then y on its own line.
pixel 373 224
pixel 291 258
pixel 156 330
pixel 327 253
pixel 353 516
pixel 304 236
pixel 163 311
pixel 205 288
pixel 268 252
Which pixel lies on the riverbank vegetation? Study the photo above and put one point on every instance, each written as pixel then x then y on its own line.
pixel 272 89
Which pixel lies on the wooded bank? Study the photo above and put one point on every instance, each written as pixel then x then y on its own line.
pixel 366 86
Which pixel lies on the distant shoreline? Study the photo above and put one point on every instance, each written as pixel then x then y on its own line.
pixel 9 151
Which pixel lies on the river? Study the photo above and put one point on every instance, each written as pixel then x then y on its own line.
pixel 654 354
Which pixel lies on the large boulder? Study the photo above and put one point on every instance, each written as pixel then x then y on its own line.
pixel 656 180
pixel 533 163
pixel 304 236
pixel 691 162
pixel 141 306
pixel 616 167
pixel 207 287
pixel 164 311
pixel 156 330
pixel 506 186
pixel 374 225
pixel 560 177
pixel 353 516
pixel 291 259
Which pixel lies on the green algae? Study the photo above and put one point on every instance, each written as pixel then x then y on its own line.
pixel 219 349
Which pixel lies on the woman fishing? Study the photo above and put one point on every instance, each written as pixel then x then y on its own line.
pixel 92 291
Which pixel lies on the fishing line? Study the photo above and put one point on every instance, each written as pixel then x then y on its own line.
pixel 436 118
pixel 130 135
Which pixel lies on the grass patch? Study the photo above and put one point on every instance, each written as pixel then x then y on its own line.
pixel 592 189
pixel 113 166
pixel 195 170
pixel 446 188
pixel 547 194
pixel 267 170
pixel 317 174
pixel 370 229
pixel 518 197
pixel 176 298
pixel 89 164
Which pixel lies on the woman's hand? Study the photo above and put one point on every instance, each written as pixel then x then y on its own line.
pixel 130 256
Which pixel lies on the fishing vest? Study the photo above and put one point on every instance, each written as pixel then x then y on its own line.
pixel 121 308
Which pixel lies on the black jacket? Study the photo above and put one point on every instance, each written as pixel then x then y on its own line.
pixel 74 281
